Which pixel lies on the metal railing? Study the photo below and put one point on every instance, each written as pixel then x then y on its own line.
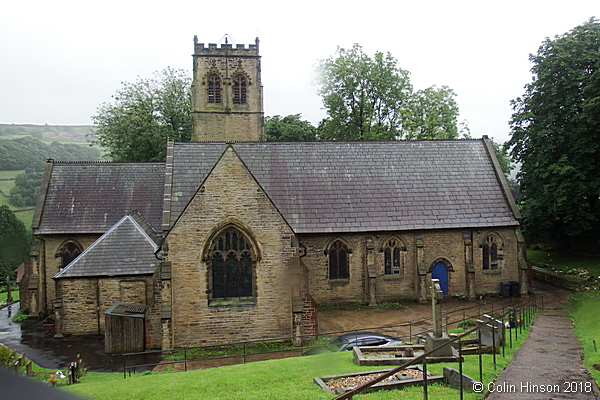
pixel 249 351
pixel 517 319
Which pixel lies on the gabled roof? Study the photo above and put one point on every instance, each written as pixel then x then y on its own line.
pixel 127 248
pixel 91 197
pixel 362 186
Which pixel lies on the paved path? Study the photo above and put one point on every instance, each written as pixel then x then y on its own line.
pixel 548 365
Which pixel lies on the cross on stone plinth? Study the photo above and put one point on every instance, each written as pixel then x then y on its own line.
pixel 436 298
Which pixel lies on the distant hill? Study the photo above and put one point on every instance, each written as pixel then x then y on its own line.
pixel 61 133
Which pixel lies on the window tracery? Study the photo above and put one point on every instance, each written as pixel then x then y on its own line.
pixel 214 89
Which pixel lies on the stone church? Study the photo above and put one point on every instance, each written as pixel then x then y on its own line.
pixel 233 238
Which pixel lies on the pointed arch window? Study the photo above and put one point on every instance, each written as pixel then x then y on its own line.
pixel 68 252
pixel 240 84
pixel 214 88
pixel 490 253
pixel 231 266
pixel 338 260
pixel 393 257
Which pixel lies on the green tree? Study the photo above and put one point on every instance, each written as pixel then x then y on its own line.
pixel 14 242
pixel 144 115
pixel 372 99
pixel 433 114
pixel 290 128
pixel 556 139
pixel 364 97
pixel 26 189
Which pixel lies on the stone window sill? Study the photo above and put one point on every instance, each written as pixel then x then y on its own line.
pixel 339 281
pixel 231 303
pixel 492 272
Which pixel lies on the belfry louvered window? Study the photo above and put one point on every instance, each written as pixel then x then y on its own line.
pixel 214 88
pixel 239 89
pixel 338 260
pixel 231 265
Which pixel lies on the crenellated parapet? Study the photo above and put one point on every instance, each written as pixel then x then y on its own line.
pixel 238 50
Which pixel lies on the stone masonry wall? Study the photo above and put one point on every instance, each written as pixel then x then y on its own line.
pixel 50 264
pixel 85 300
pixel 438 244
pixel 230 195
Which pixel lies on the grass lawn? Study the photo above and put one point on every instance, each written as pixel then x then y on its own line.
pixel 290 378
pixel 15 295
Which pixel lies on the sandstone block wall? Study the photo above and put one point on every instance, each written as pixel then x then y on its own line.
pixel 46 264
pixel 230 195
pixel 447 245
pixel 85 300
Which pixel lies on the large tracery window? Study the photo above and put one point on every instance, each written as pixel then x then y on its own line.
pixel 490 253
pixel 231 266
pixel 214 89
pixel 392 261
pixel 239 89
pixel 338 260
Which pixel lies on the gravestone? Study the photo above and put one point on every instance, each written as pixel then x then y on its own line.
pixel 491 332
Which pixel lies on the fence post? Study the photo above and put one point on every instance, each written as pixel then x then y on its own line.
pixel 424 378
pixel 494 343
pixel 480 359
pixel 460 367
pixel 185 359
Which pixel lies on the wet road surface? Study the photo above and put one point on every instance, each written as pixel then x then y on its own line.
pixel 28 337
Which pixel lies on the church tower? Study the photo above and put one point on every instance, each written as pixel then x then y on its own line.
pixel 227 100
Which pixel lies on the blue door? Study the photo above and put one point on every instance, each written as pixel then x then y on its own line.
pixel 440 272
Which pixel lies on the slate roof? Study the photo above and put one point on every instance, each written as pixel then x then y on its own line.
pixel 362 186
pixel 91 197
pixel 127 248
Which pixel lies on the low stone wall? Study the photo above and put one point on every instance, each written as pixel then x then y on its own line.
pixel 559 280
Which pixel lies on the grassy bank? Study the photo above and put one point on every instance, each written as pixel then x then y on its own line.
pixel 565 261
pixel 290 378
pixel 584 311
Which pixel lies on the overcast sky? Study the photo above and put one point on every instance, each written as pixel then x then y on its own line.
pixel 60 59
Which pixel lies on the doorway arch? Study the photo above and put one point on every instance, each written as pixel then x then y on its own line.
pixel 439 271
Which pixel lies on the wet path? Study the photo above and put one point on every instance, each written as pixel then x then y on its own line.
pixel 548 365
pixel 28 337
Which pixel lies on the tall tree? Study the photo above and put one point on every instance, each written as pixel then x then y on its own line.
pixel 433 114
pixel 290 128
pixel 556 138
pixel 372 99
pixel 14 242
pixel 144 114
pixel 364 97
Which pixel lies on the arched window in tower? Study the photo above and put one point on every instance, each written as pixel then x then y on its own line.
pixel 338 260
pixel 68 252
pixel 490 253
pixel 392 260
pixel 214 88
pixel 231 264
pixel 240 84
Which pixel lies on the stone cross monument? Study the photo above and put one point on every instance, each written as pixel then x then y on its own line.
pixel 436 338
pixel 436 298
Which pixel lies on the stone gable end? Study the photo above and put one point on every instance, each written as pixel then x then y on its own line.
pixel 229 195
